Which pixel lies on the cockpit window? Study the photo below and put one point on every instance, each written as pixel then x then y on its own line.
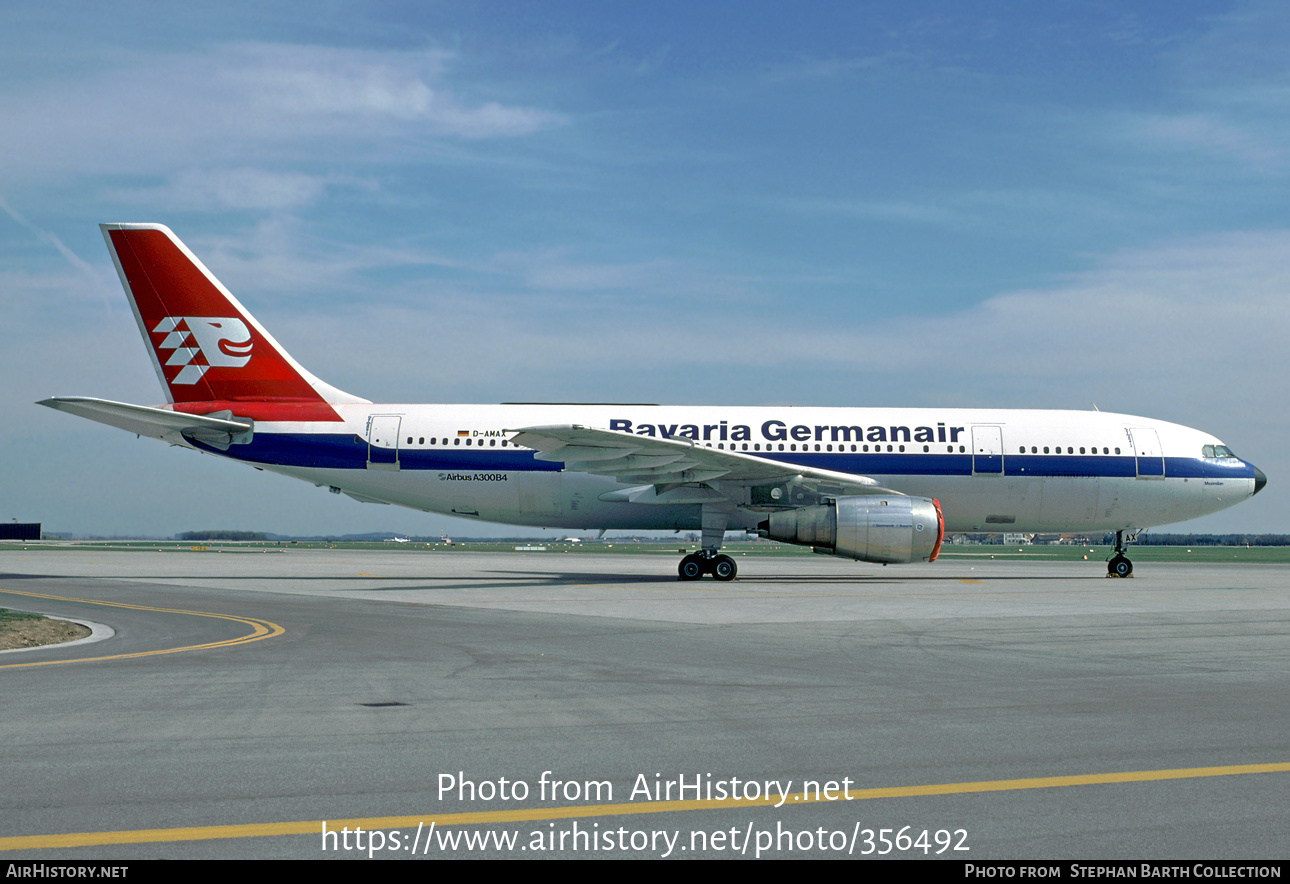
pixel 1216 451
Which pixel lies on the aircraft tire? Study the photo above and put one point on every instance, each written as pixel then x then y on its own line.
pixel 1119 566
pixel 724 568
pixel 691 567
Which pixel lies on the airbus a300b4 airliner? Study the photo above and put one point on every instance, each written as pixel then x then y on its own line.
pixel 871 484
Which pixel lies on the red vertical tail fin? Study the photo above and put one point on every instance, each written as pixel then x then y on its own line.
pixel 205 346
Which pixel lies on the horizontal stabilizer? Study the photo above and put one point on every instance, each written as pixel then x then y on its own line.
pixel 156 423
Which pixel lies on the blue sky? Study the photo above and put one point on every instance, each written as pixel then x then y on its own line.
pixel 990 204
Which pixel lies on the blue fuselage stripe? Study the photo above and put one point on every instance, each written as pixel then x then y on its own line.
pixel 348 452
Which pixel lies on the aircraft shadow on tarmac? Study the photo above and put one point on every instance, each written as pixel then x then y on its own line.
pixel 478 580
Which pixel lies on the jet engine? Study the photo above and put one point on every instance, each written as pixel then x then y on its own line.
pixel 890 530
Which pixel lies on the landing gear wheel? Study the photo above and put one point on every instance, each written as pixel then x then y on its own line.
pixel 1119 566
pixel 724 568
pixel 691 567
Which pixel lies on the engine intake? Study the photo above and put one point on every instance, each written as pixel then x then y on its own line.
pixel 891 530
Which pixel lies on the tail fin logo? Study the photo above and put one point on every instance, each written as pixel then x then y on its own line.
pixel 201 343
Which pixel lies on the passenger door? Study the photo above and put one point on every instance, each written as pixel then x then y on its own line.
pixel 987 451
pixel 383 442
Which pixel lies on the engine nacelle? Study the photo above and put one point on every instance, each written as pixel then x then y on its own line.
pixel 891 530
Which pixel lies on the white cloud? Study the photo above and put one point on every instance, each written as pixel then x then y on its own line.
pixel 168 114
pixel 1168 327
pixel 279 257
pixel 1204 132
pixel 344 85
pixel 1187 315
pixel 1172 323
pixel 810 68
pixel 221 189
pixel 554 270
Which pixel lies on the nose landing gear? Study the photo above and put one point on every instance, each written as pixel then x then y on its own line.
pixel 1119 565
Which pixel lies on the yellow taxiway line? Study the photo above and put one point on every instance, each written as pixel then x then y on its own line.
pixel 260 629
pixel 315 827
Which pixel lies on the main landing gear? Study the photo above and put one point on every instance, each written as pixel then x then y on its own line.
pixel 1119 565
pixel 716 515
pixel 695 565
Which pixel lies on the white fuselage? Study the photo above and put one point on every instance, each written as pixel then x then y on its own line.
pixel 991 470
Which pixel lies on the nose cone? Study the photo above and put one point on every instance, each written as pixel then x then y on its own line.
pixel 1259 479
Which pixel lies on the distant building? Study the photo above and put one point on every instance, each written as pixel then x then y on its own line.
pixel 19 531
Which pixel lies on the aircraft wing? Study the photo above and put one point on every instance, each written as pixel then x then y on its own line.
pixel 158 423
pixel 674 461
